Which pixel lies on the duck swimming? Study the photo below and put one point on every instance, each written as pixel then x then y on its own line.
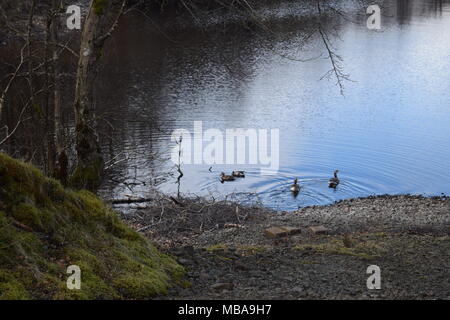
pixel 238 174
pixel 333 183
pixel 295 188
pixel 224 177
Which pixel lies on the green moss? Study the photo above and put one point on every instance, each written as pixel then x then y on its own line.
pixel 366 250
pixel 86 177
pixel 251 249
pixel 223 258
pixel 99 5
pixel 241 249
pixel 217 247
pixel 379 234
pixel 45 228
pixel 10 288
pixel 28 215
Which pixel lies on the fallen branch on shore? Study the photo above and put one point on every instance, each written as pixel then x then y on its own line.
pixel 130 200
pixel 176 201
pixel 172 218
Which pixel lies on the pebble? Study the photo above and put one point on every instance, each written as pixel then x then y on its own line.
pixel 222 286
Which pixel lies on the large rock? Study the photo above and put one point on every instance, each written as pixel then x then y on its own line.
pixel 279 232
pixel 319 230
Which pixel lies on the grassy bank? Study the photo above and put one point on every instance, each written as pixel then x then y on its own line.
pixel 45 228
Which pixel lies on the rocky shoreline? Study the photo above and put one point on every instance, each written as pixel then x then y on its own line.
pixel 408 237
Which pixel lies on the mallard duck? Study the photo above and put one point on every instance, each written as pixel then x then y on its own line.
pixel 295 188
pixel 333 183
pixel 238 174
pixel 224 177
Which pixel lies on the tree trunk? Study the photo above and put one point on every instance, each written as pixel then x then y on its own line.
pixel 100 22
pixel 61 168
pixel 57 79
pixel 49 116
pixel 28 40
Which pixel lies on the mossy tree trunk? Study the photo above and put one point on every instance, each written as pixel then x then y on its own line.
pixel 101 20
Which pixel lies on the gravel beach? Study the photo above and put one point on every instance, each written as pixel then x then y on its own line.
pixel 408 237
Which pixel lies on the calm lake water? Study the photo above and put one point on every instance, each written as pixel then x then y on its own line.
pixel 388 134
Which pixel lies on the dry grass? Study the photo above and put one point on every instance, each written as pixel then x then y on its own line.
pixel 169 220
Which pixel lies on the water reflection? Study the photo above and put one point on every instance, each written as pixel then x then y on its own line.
pixel 388 134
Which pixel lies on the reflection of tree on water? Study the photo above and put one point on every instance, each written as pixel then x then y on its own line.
pixel 403 11
pixel 438 7
pixel 406 9
pixel 182 70
pixel 178 165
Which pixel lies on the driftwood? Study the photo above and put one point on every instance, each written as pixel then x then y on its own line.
pixel 130 200
pixel 176 202
pixel 170 219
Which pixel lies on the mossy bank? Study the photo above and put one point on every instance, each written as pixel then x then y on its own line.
pixel 45 228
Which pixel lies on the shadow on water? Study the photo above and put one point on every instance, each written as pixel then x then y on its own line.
pixel 388 134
